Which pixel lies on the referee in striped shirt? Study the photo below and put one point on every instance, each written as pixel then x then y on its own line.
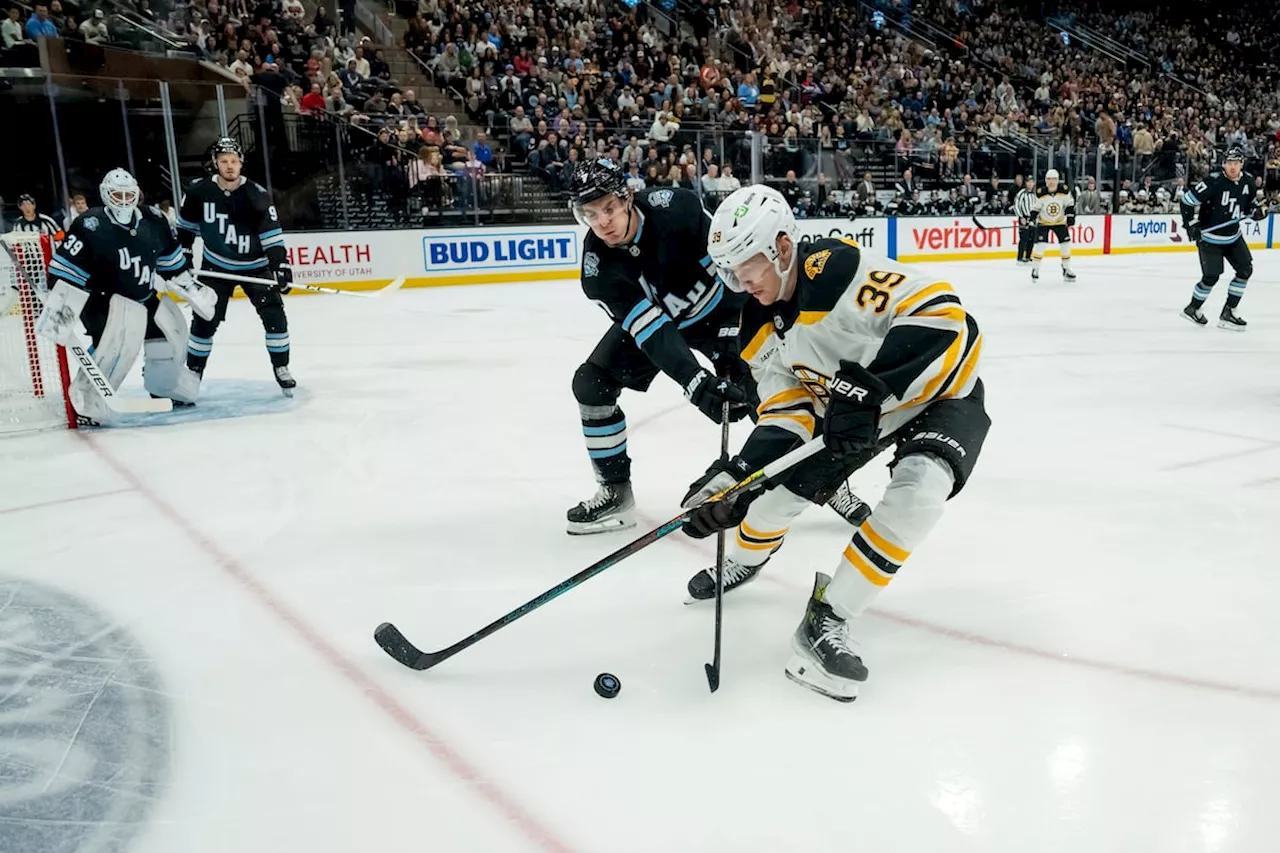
pixel 35 223
pixel 1024 208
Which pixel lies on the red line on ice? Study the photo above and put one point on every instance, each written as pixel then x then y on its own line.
pixel 60 501
pixel 464 771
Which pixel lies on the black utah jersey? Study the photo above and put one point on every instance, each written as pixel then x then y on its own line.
pixel 104 257
pixel 663 281
pixel 1222 202
pixel 240 228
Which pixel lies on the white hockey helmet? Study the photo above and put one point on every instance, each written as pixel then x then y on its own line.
pixel 747 223
pixel 120 195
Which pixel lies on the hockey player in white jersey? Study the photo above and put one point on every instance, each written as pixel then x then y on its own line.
pixel 870 354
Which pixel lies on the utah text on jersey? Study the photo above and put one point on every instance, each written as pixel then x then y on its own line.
pixel 908 329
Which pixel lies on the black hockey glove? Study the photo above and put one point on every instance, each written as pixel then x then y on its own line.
pixel 709 518
pixel 1071 220
pixel 709 393
pixel 852 422
pixel 284 278
pixel 1193 231
pixel 1259 213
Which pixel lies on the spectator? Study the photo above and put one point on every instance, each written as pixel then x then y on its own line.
pixel 1089 200
pixel 11 29
pixel 94 29
pixel 39 25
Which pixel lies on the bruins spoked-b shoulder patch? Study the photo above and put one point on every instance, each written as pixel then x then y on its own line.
pixel 814 264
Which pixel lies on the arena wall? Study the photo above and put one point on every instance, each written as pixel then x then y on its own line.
pixel 366 260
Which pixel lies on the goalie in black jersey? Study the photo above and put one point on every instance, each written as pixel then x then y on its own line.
pixel 108 273
pixel 1225 199
pixel 645 263
pixel 242 235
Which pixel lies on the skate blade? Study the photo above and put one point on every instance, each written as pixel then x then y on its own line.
pixel 604 525
pixel 288 392
pixel 804 671
pixel 1223 324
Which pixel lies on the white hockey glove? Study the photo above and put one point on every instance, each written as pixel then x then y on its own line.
pixel 57 322
pixel 203 299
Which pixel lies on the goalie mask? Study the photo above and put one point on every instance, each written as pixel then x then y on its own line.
pixel 748 223
pixel 120 195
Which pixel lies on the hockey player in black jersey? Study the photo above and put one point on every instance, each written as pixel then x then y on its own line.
pixel 1225 199
pixel 108 273
pixel 242 235
pixel 645 263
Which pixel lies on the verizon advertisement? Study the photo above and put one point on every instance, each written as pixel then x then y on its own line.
pixel 1164 233
pixel 944 238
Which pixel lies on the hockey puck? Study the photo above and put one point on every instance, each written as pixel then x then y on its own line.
pixel 607 685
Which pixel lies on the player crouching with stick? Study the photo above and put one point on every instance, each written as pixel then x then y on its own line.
pixel 870 354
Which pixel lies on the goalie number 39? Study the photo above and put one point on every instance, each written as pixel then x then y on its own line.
pixel 875 291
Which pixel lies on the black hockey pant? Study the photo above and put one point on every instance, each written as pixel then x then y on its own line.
pixel 270 306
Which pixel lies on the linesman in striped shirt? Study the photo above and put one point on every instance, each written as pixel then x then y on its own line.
pixel 1024 208
pixel 31 222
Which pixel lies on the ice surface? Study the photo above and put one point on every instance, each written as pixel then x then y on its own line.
pixel 1081 658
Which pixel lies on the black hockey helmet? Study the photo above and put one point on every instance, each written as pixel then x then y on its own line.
pixel 596 179
pixel 1235 152
pixel 224 145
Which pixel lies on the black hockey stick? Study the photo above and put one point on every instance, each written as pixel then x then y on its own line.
pixel 394 643
pixel 713 668
pixel 982 227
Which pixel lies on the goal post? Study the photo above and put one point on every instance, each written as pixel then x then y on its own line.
pixel 34 373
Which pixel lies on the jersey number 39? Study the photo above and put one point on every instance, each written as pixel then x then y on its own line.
pixel 870 294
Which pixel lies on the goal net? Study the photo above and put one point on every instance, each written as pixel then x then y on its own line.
pixel 33 371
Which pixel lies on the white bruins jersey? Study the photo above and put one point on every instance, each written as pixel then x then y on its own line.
pixel 1053 206
pixel 907 328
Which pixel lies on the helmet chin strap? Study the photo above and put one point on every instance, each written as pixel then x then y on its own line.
pixel 787 286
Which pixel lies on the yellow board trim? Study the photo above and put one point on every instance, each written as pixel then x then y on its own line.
pixel 994 256
pixel 1132 250
pixel 567 274
pixel 869 571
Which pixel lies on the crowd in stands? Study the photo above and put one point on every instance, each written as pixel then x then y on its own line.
pixel 569 80
pixel 960 92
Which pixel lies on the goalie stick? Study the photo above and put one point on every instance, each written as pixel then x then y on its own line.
pixel 246 279
pixel 395 644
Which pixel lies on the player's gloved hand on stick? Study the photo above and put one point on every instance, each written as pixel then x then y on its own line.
pixel 709 393
pixel 722 474
pixel 1071 220
pixel 852 422
pixel 1193 231
pixel 1259 213
pixel 284 278
pixel 709 518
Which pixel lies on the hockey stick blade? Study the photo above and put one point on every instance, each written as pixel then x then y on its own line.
pixel 398 647
pixel 982 227
pixel 394 643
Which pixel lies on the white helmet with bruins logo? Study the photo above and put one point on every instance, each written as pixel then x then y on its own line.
pixel 748 223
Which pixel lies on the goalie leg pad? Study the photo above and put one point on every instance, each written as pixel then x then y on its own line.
pixel 115 353
pixel 164 370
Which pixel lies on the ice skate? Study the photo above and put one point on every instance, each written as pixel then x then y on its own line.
pixel 1068 274
pixel 1194 314
pixel 609 509
pixel 849 506
pixel 1228 319
pixel 823 656
pixel 702 586
pixel 286 380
